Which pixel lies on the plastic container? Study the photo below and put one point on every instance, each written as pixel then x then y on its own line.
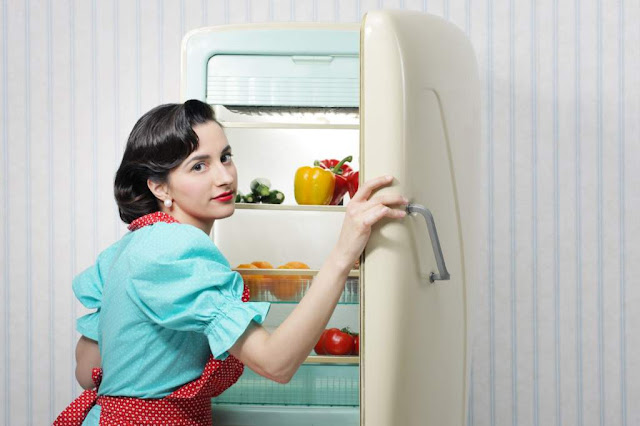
pixel 291 289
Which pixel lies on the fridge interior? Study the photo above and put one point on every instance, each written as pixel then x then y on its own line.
pixel 273 144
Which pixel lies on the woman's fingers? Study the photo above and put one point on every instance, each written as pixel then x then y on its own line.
pixel 389 200
pixel 379 206
pixel 377 212
pixel 363 213
pixel 364 192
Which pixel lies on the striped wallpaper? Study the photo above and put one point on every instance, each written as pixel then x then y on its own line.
pixel 556 316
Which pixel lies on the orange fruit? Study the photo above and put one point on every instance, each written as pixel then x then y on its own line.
pixel 262 264
pixel 296 265
pixel 247 266
pixel 285 287
pixel 252 281
pixel 293 265
pixel 264 280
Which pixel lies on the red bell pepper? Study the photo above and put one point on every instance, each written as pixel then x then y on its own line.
pixel 353 182
pixel 346 178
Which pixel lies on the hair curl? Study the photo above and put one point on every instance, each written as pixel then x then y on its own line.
pixel 160 141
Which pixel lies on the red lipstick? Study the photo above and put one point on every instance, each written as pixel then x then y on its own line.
pixel 226 196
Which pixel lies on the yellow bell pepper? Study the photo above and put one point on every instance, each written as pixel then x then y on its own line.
pixel 313 185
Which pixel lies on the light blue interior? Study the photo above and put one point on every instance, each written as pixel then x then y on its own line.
pixel 288 67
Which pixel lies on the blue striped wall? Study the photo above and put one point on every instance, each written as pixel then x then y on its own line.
pixel 556 316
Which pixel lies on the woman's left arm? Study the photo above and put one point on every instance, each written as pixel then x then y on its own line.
pixel 87 358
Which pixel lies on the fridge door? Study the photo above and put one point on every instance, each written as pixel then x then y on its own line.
pixel 420 123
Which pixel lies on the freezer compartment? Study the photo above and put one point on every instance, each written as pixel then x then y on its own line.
pixel 312 385
pixel 268 415
pixel 266 286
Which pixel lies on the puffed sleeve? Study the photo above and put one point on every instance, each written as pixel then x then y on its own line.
pixel 87 286
pixel 181 281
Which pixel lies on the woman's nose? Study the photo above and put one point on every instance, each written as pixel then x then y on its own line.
pixel 222 175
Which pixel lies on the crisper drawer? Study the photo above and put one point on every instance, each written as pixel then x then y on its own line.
pixel 312 385
pixel 270 415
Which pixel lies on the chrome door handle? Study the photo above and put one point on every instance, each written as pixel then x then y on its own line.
pixel 435 242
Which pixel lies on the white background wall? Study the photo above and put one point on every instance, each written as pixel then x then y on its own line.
pixel 557 312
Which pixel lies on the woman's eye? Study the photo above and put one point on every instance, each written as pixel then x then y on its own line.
pixel 226 158
pixel 197 167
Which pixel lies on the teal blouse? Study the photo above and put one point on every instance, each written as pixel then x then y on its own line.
pixel 164 298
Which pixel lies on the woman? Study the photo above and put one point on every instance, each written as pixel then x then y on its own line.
pixel 171 324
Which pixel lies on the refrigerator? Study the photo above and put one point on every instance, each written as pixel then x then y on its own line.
pixel 400 93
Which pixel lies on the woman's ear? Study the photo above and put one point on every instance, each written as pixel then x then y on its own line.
pixel 160 190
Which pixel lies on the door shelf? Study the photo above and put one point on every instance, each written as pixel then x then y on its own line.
pixel 290 285
pixel 313 384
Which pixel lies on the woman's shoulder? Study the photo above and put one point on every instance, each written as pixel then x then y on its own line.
pixel 171 240
pixel 171 232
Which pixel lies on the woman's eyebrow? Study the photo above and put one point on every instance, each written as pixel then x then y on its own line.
pixel 198 157
pixel 206 156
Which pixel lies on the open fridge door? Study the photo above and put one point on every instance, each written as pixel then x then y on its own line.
pixel 419 112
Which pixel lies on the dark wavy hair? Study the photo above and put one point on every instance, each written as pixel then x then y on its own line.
pixel 159 142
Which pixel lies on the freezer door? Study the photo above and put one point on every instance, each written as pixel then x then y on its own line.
pixel 420 123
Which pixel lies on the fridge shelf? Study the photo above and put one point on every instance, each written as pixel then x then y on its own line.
pixel 305 272
pixel 313 384
pixel 290 285
pixel 286 117
pixel 263 125
pixel 290 207
pixel 333 359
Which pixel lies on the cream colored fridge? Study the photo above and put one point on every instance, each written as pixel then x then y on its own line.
pixel 400 94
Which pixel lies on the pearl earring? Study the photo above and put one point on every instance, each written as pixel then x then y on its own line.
pixel 168 203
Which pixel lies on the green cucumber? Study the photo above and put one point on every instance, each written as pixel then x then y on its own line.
pixel 250 198
pixel 260 187
pixel 274 197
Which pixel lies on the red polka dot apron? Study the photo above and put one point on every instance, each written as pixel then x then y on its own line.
pixel 190 405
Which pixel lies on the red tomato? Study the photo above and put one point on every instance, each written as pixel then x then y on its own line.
pixel 337 342
pixel 356 344
pixel 319 347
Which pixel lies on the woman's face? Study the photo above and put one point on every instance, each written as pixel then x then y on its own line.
pixel 196 185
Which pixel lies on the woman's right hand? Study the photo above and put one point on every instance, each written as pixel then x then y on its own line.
pixel 363 212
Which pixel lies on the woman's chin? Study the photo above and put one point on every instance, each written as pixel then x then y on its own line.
pixel 227 211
